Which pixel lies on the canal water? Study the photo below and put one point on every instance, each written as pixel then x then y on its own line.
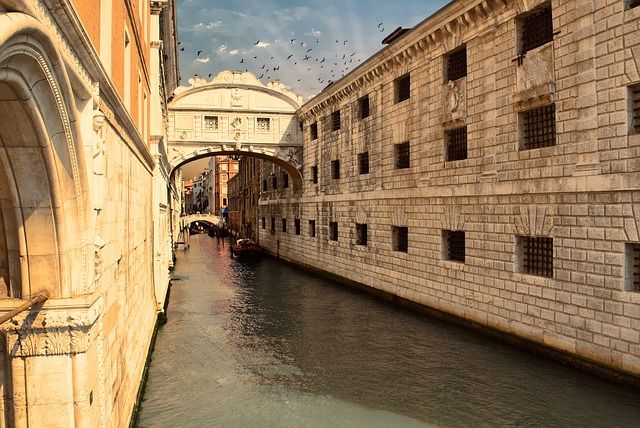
pixel 263 344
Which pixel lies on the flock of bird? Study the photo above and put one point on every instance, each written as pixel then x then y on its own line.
pixel 308 57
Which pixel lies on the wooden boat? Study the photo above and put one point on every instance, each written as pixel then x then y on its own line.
pixel 245 248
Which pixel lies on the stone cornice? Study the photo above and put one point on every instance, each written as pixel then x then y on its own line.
pixel 448 23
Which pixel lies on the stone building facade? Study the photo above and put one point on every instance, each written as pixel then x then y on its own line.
pixel 485 164
pixel 83 86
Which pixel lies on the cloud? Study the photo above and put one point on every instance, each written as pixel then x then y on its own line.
pixel 292 14
pixel 209 26
pixel 234 52
pixel 262 45
pixel 203 60
pixel 222 48
pixel 314 33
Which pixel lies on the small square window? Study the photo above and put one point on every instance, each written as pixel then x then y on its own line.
pixel 273 224
pixel 456 64
pixel 456 140
pixel 535 255
pixel 363 163
pixel 538 127
pixel 402 155
pixel 335 120
pixel 263 124
pixel 363 107
pixel 333 230
pixel 403 88
pixel 335 169
pixel 314 174
pixel 211 123
pixel 632 267
pixel 312 228
pixel 536 28
pixel 263 222
pixel 284 225
pixel 314 131
pixel 634 107
pixel 453 245
pixel 296 225
pixel 285 180
pixel 400 238
pixel 361 234
pixel 274 182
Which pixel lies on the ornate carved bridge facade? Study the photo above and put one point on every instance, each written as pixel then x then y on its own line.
pixel 235 114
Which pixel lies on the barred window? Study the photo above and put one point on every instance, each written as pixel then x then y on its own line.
pixel 632 267
pixel 361 234
pixel 402 155
pixel 314 131
pixel 335 169
pixel 335 120
pixel 284 225
pixel 536 255
pixel 400 238
pixel 363 106
pixel 634 106
pixel 263 222
pixel 333 230
pixel 211 123
pixel 536 28
pixel 263 124
pixel 363 163
pixel 296 225
pixel 402 88
pixel 285 180
pixel 453 245
pixel 274 182
pixel 456 64
pixel 312 228
pixel 538 127
pixel 456 140
pixel 314 174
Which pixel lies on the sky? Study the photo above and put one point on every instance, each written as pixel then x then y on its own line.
pixel 304 44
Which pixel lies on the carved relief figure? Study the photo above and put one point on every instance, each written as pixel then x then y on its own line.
pixel 236 97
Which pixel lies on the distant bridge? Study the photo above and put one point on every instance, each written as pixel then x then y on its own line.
pixel 186 220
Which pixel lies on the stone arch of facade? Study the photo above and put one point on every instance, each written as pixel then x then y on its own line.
pixel 236 114
pixel 43 181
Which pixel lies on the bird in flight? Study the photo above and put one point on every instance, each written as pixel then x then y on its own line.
pixel 380 25
pixel 382 30
pixel 199 52
pixel 345 42
pixel 182 49
pixel 292 40
pixel 241 60
pixel 257 43
pixel 289 56
pixel 309 50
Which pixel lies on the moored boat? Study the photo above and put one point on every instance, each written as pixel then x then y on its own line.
pixel 245 248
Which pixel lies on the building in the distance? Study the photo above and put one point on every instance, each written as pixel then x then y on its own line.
pixel 244 195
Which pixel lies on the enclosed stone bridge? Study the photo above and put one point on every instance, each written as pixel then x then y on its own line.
pixel 235 114
pixel 186 220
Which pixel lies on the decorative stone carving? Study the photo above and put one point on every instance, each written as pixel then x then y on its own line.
pixel 455 103
pixel 534 220
pixel 236 97
pixel 452 219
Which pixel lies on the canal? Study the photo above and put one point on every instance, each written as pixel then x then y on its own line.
pixel 264 345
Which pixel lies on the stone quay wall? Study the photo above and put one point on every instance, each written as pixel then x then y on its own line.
pixel 578 193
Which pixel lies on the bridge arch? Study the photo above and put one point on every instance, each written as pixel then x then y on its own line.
pixel 236 114
pixel 213 220
pixel 44 212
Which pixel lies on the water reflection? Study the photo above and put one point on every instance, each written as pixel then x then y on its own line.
pixel 264 345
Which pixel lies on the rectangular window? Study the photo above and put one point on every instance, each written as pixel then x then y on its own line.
pixel 263 124
pixel 535 255
pixel 632 267
pixel 363 107
pixel 273 224
pixel 314 174
pixel 333 230
pixel 314 130
pixel 335 169
pixel 264 185
pixel 363 163
pixel 285 180
pixel 634 106
pixel 263 222
pixel 274 182
pixel 536 28
pixel 402 88
pixel 453 245
pixel 361 234
pixel 335 120
pixel 312 228
pixel 296 225
pixel 456 64
pixel 402 155
pixel 211 123
pixel 284 225
pixel 538 127
pixel 224 201
pixel 400 238
pixel 456 140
